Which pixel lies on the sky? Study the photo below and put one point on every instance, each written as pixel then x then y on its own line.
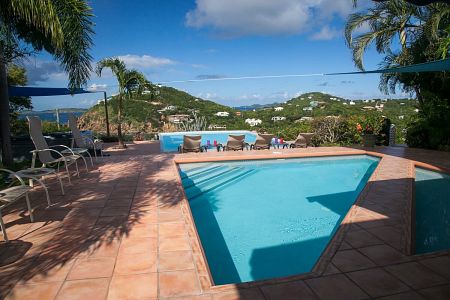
pixel 173 40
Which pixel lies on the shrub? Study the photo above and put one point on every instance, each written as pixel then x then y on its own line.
pixel 49 127
pixel 330 131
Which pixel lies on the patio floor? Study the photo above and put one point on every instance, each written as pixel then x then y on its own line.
pixel 124 231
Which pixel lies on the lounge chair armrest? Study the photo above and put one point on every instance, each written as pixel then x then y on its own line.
pixel 51 150
pixel 63 146
pixel 12 173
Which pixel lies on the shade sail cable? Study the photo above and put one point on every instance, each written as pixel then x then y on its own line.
pixel 433 66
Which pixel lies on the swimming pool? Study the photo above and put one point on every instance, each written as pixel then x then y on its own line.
pixel 170 141
pixel 270 218
pixel 432 211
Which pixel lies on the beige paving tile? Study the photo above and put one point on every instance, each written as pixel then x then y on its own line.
pixel 136 263
pixel 130 287
pixel 44 291
pixel 335 287
pixel 91 268
pixel 84 289
pixel 287 291
pixel 415 275
pixel 178 283
pixel 351 260
pixel 175 260
pixel 377 282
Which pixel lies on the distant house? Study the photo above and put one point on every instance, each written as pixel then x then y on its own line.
pixel 279 108
pixel 368 108
pixel 401 117
pixel 416 110
pixel 314 103
pixel 177 119
pixel 310 97
pixel 276 119
pixel 304 119
pixel 238 113
pixel 169 107
pixel 253 122
pixel 352 103
pixel 345 103
pixel 211 127
pixel 308 108
pixel 222 114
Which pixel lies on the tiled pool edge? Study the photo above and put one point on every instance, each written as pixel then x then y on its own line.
pixel 206 279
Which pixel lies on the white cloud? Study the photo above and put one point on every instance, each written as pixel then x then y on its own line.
pixel 145 61
pixel 326 33
pixel 263 17
pixel 97 87
pixel 42 71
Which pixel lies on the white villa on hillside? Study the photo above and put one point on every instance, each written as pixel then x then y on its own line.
pixel 352 103
pixel 308 108
pixel 279 108
pixel 253 122
pixel 276 119
pixel 177 119
pixel 169 107
pixel 222 114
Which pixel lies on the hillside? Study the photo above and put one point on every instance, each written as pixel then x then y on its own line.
pixel 156 113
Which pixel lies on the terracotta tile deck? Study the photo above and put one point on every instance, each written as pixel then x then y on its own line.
pixel 124 231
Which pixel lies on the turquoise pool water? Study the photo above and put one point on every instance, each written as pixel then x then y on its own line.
pixel 270 218
pixel 432 211
pixel 170 141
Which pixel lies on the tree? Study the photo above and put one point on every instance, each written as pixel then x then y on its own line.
pixel 130 82
pixel 423 36
pixel 63 28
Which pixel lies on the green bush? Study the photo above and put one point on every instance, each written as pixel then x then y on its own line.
pixel 49 127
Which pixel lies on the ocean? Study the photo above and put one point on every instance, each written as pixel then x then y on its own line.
pixel 48 116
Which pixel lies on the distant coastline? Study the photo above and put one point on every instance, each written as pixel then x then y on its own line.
pixel 50 115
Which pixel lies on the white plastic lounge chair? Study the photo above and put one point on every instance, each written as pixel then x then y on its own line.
pixel 83 141
pixel 45 153
pixel 12 194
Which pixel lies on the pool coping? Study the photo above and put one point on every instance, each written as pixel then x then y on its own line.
pixel 201 262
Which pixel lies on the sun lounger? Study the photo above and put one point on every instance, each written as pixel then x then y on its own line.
pixel 263 141
pixel 81 141
pixel 12 194
pixel 191 143
pixel 302 140
pixel 235 142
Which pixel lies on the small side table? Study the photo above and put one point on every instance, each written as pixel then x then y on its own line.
pixel 38 174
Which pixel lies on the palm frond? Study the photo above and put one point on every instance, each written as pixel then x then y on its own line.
pixel 41 15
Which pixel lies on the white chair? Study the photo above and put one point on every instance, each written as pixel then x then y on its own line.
pixel 45 153
pixel 12 194
pixel 83 141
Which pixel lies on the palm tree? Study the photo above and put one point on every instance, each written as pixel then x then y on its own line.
pixel 62 28
pixel 386 21
pixel 130 82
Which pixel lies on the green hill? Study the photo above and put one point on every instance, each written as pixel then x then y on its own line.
pixel 150 113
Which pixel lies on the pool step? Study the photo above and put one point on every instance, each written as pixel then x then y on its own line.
pixel 198 171
pixel 188 182
pixel 204 172
pixel 202 188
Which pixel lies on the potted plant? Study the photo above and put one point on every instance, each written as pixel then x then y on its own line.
pixel 368 128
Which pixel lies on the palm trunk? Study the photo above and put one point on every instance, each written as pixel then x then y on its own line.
pixel 119 121
pixel 5 131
